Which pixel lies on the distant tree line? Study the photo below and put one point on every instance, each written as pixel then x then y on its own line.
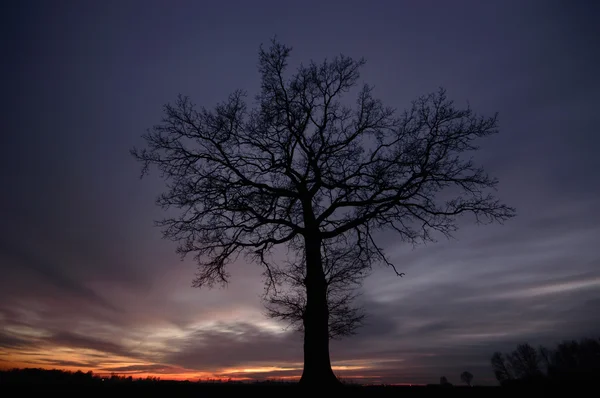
pixel 31 376
pixel 569 363
pixel 58 376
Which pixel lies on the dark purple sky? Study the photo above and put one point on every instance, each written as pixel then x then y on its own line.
pixel 87 282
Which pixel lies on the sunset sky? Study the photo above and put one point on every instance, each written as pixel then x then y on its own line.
pixel 86 282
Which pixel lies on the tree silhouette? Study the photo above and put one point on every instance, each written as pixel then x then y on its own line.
pixel 571 362
pixel 522 364
pixel 302 169
pixel 501 368
pixel 575 362
pixel 444 381
pixel 525 362
pixel 467 377
pixel 344 268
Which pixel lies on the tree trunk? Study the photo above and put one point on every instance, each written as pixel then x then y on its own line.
pixel 317 366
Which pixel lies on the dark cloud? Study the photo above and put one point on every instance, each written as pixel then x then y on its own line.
pixel 153 368
pixel 235 345
pixel 73 364
pixel 66 339
pixel 52 274
pixel 9 341
pixel 272 374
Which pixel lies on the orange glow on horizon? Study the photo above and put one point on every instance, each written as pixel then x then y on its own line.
pixel 186 374
pixel 105 364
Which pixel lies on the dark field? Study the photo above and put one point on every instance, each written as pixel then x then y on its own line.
pixel 25 381
pixel 183 389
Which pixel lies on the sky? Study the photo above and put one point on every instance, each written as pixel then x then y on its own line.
pixel 86 282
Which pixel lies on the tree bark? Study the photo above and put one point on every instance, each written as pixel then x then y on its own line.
pixel 317 365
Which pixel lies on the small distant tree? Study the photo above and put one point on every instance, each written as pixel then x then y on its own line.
pixel 466 377
pixel 444 381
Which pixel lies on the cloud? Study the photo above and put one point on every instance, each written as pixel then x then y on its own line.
pixel 51 274
pixel 73 340
pixel 71 364
pixel 235 345
pixel 152 368
pixel 11 341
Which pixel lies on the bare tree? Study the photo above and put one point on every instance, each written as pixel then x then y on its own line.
pixel 521 364
pixel 525 362
pixel 501 368
pixel 570 362
pixel 302 169
pixel 466 377
pixel 576 362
